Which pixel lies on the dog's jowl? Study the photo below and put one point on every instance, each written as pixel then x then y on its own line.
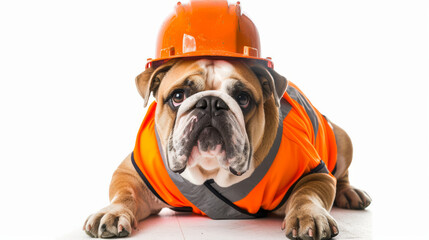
pixel 227 136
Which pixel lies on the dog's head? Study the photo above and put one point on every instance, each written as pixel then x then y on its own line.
pixel 211 114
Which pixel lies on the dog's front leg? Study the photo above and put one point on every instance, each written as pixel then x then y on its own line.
pixel 131 201
pixel 307 210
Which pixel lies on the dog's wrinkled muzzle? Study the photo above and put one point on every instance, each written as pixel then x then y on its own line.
pixel 209 128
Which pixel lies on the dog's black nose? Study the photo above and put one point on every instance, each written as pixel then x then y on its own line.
pixel 212 105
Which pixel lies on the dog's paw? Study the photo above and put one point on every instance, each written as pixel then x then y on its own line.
pixel 352 198
pixel 114 220
pixel 310 222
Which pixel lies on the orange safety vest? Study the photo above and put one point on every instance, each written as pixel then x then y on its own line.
pixel 303 139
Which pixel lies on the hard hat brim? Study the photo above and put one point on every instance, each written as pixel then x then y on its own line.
pixel 218 54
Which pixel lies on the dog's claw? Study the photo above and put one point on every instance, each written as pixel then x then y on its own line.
pixel 294 233
pixel 310 232
pixel 334 231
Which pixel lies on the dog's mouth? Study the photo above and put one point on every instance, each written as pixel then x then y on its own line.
pixel 208 149
pixel 209 143
pixel 210 140
pixel 205 133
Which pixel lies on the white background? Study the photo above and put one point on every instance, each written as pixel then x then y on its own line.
pixel 70 111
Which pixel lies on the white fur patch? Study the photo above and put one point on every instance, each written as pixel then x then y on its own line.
pixel 217 71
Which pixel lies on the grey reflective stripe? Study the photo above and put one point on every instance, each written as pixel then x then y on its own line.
pixel 240 190
pixel 285 108
pixel 210 202
pixel 297 96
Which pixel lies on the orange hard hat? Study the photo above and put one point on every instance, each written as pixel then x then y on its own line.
pixel 208 28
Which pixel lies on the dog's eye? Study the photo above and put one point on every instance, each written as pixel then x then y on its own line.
pixel 243 99
pixel 178 97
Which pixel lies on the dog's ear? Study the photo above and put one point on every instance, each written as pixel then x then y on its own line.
pixel 271 82
pixel 149 80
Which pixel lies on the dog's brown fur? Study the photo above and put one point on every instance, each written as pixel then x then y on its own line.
pixel 306 211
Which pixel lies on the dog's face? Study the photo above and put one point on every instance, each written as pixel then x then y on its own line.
pixel 210 115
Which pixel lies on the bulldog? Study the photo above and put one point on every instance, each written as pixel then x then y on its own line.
pixel 230 139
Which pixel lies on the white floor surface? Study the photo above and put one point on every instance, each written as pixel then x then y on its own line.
pixel 180 226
